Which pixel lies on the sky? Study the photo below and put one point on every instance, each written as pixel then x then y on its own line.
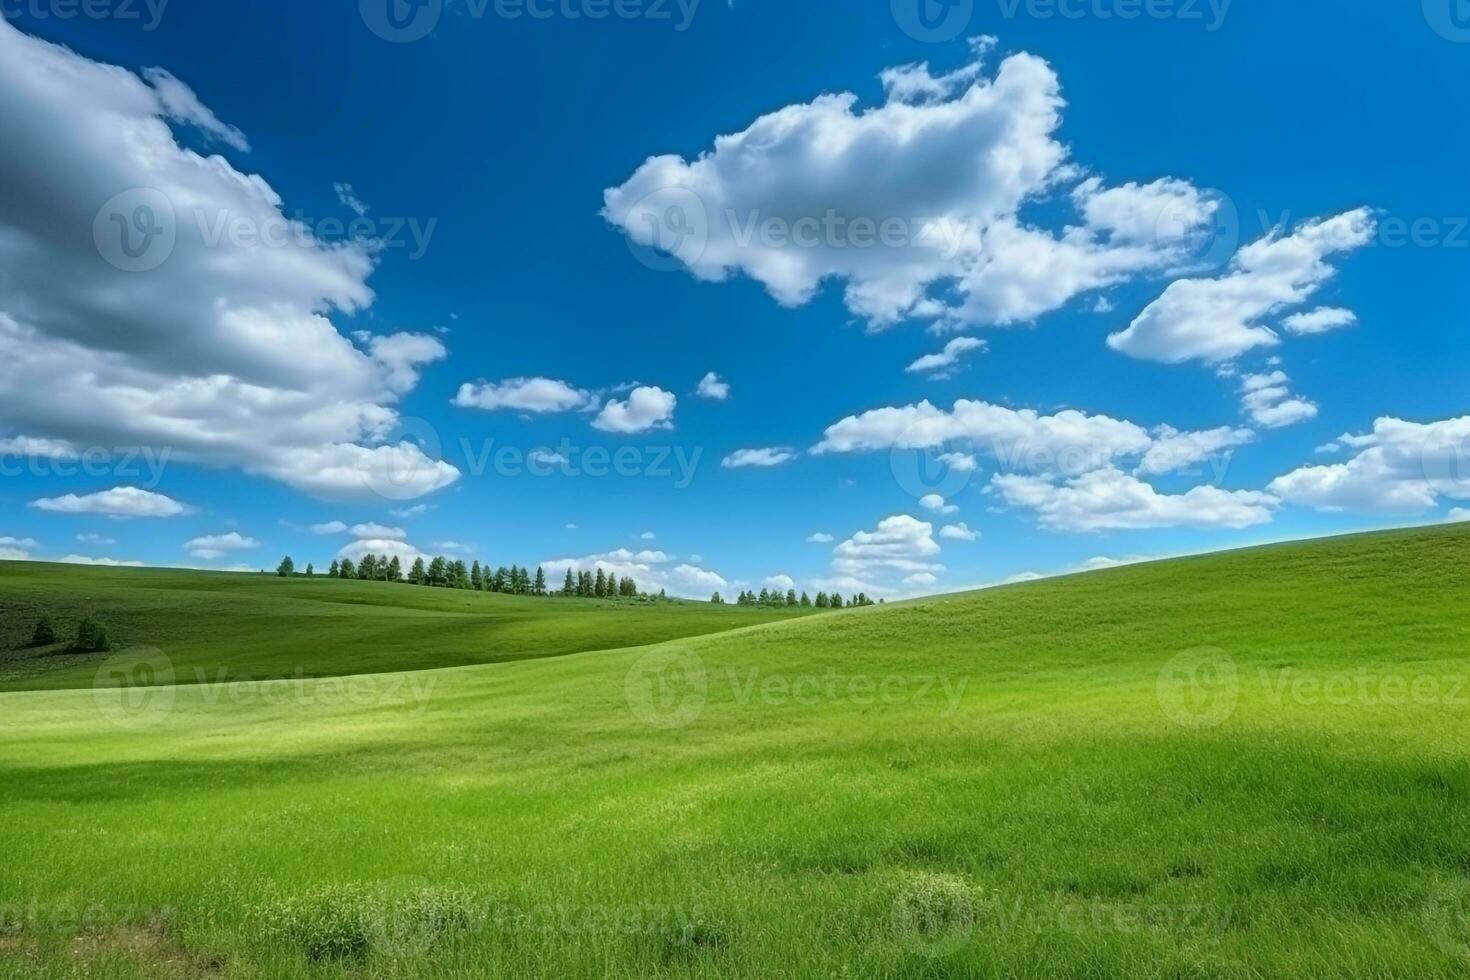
pixel 894 296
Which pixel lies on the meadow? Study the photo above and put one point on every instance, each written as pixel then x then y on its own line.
pixel 1243 765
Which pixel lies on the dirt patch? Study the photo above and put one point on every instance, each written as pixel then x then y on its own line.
pixel 151 948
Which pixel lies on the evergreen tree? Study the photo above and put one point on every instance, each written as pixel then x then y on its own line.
pixel 286 568
pixel 394 570
pixel 310 571
pixel 477 581
pixel 43 635
pixel 791 597
pixel 459 575
pixel 715 600
pixel 836 600
pixel 540 585
pixel 599 584
pixel 438 573
pixel 418 573
pixel 821 600
pixel 335 570
pixel 346 569
pixel 765 597
pixel 367 569
pixel 806 601
pixel 569 587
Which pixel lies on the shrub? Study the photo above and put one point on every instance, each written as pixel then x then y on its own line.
pixel 91 637
pixel 43 635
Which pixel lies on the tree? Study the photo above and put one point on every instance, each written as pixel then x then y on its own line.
pixel 394 571
pixel 91 637
pixel 569 587
pixel 418 574
pixel 540 587
pixel 716 600
pixel 459 575
pixel 599 585
pixel 836 600
pixel 806 601
pixel 791 597
pixel 765 597
pixel 286 568
pixel 367 568
pixel 438 573
pixel 335 570
pixel 43 635
pixel 477 580
pixel 822 600
pixel 346 570
pixel 310 570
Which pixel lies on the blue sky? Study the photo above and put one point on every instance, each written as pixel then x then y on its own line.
pixel 1183 256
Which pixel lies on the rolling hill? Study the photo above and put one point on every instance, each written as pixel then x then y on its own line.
pixel 1254 764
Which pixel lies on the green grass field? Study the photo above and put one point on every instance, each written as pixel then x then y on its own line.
pixel 1244 765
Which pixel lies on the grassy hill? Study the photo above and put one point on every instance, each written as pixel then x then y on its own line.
pixel 213 624
pixel 1246 765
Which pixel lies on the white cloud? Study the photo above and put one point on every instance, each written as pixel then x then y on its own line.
pixel 1457 514
pixel 16 549
pixel 371 530
pixel 348 198
pixel 117 502
pixel 537 395
pixel 214 345
pixel 899 544
pixel 820 537
pixel 783 582
pixel 1173 450
pixel 711 386
pixel 921 580
pixel 959 462
pixel 648 536
pixel 645 408
pixel 1400 467
pixel 452 547
pixel 218 545
pixel 1320 320
pixel 1108 499
pixel 1069 441
pixel 417 510
pixel 938 504
pixel 958 532
pixel 758 457
pixel 900 199
pixel 105 562
pixel 95 539
pixel 652 570
pixel 390 548
pixel 1218 319
pixel 546 457
pixel 330 527
pixel 947 358
pixel 1269 401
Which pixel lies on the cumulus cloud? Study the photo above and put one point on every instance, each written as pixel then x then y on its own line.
pixel 330 527
pixel 154 326
pixel 938 504
pixel 218 545
pixel 390 548
pixel 1174 450
pixel 1457 514
pixel 899 543
pixel 758 457
pixel 1215 320
pixel 940 364
pixel 711 386
pixel 118 502
pixel 820 537
pixel 783 582
pixel 652 570
pixel 104 562
pixel 914 204
pixel 1110 500
pixel 16 549
pixel 537 395
pixel 1399 467
pixel 379 531
pixel 645 408
pixel 1321 320
pixel 1268 400
pixel 958 532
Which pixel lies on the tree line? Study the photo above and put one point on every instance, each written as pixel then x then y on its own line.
pixel 442 573
pixel 777 600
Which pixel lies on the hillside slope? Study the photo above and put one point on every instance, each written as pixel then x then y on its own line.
pixel 213 625
pixel 1246 765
